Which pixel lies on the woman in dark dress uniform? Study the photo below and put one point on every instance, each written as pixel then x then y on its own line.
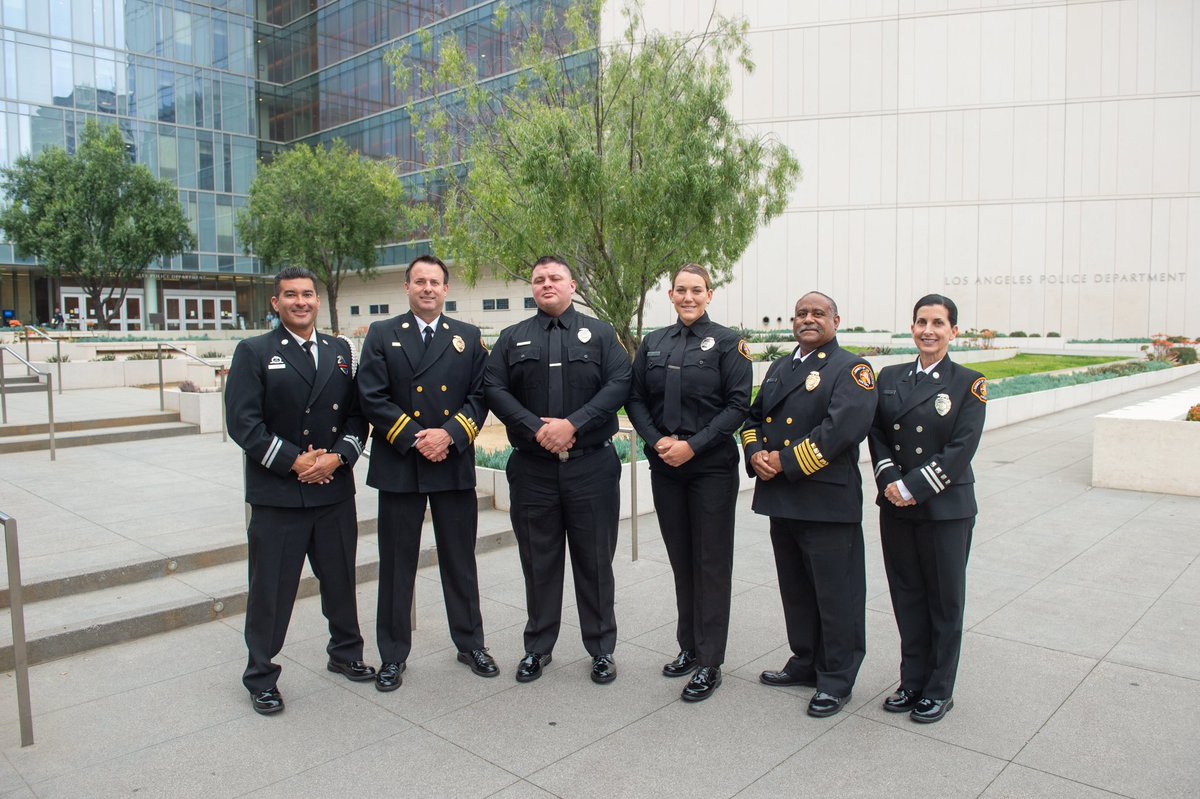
pixel 927 427
pixel 691 392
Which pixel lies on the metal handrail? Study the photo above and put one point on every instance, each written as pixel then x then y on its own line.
pixel 162 394
pixel 49 392
pixel 57 350
pixel 16 612
pixel 633 504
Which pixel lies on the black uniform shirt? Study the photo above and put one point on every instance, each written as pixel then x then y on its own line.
pixel 716 380
pixel 596 376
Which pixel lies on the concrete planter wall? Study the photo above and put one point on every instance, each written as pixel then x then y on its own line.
pixel 1147 447
pixel 114 374
pixel 203 409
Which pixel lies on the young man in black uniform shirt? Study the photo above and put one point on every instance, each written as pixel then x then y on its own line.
pixel 421 385
pixel 291 404
pixel 801 441
pixel 557 380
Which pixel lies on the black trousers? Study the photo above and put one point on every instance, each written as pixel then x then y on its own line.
pixel 823 584
pixel 279 540
pixel 554 505
pixel 695 504
pixel 455 523
pixel 926 563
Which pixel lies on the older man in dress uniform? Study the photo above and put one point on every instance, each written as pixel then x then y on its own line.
pixel 291 404
pixel 557 380
pixel 421 384
pixel 801 441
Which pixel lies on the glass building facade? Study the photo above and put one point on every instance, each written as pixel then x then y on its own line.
pixel 203 88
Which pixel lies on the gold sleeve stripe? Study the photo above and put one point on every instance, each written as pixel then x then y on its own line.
pixel 749 437
pixel 467 425
pixel 808 457
pixel 396 428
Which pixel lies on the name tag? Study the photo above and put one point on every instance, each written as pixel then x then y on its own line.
pixel 654 354
pixel 523 343
pixel 277 366
pixel 395 343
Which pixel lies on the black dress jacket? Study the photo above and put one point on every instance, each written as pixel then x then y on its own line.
pixel 926 434
pixel 815 413
pixel 277 405
pixel 405 388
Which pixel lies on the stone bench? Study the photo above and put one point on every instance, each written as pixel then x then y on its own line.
pixel 1149 447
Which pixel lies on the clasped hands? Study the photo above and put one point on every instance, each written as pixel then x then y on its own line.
pixel 892 495
pixel 555 435
pixel 674 452
pixel 316 466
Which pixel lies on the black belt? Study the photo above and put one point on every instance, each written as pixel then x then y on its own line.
pixel 566 455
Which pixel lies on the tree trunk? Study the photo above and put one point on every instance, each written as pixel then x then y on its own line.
pixel 331 291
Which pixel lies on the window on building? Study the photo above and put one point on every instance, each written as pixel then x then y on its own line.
pixel 451 306
pixel 530 304
pixel 489 305
pixel 376 309
pixel 354 310
pixel 502 304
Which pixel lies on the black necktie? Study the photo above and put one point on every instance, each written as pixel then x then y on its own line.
pixel 673 395
pixel 308 346
pixel 428 335
pixel 920 376
pixel 556 370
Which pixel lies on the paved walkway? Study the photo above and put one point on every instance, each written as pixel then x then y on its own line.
pixel 1080 673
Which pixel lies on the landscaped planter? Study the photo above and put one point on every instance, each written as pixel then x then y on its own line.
pixel 1148 446
pixel 203 409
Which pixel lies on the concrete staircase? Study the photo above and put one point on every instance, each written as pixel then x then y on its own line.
pixel 23 385
pixel 76 612
pixel 104 430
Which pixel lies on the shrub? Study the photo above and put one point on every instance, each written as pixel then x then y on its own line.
pixel 1027 384
pixel 1177 339
pixel 772 352
pixel 884 350
pixel 1186 355
pixel 212 354
pixel 108 357
pixel 55 359
pixel 1018 334
pixel 1054 334
pixel 148 355
pixel 1193 414
pixel 188 387
pixel 1035 335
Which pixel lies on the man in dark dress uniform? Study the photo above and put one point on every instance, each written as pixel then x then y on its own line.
pixel 421 385
pixel 557 380
pixel 290 403
pixel 801 441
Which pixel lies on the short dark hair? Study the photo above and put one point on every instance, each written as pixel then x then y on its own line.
pixel 938 299
pixel 830 300
pixel 693 269
pixel 293 273
pixel 428 259
pixel 554 259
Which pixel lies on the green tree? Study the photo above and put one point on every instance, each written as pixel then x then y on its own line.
pixel 325 210
pixel 622 158
pixel 95 217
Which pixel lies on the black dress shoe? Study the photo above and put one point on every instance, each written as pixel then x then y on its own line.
pixel 389 677
pixel 354 670
pixel 480 662
pixel 267 702
pixel 784 678
pixel 530 667
pixel 684 663
pixel 604 669
pixel 703 684
pixel 822 704
pixel 928 711
pixel 902 701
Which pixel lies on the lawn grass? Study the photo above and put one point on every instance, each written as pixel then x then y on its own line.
pixel 1026 364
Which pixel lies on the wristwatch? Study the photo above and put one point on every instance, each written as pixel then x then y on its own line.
pixel 341 458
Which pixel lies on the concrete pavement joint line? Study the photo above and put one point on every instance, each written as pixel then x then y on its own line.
pixel 831 725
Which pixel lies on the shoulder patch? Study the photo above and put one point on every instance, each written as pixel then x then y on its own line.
pixel 863 375
pixel 979 389
pixel 744 349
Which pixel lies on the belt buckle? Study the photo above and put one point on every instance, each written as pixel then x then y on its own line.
pixel 675 436
pixel 563 456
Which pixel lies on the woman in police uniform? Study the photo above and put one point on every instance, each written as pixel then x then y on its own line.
pixel 927 427
pixel 691 391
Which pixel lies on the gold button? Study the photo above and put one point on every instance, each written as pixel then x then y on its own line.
pixel 419 389
pixel 443 388
pixel 768 420
pixel 787 443
pixel 417 415
pixel 789 420
pixel 445 413
pixel 896 426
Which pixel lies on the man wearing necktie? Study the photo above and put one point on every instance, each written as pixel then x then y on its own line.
pixel 291 404
pixel 801 442
pixel 421 384
pixel 557 380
